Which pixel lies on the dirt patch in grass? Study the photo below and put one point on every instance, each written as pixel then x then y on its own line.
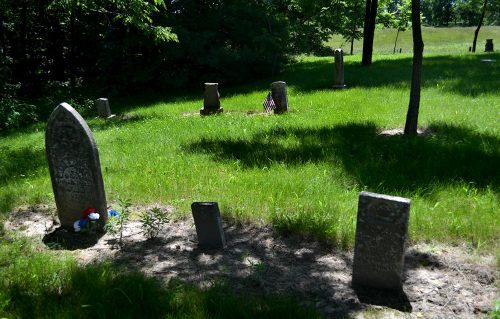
pixel 440 281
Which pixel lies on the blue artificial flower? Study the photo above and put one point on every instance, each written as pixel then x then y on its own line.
pixel 83 222
pixel 112 213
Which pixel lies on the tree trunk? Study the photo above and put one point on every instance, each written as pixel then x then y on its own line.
pixel 2 36
pixel 396 42
pixel 352 46
pixel 71 59
pixel 479 26
pixel 23 58
pixel 416 76
pixel 369 31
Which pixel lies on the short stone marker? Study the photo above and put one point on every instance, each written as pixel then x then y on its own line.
pixel 208 224
pixel 381 233
pixel 488 47
pixel 74 166
pixel 211 100
pixel 103 109
pixel 339 69
pixel 280 97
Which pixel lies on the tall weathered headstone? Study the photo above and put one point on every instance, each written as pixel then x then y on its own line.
pixel 381 234
pixel 280 97
pixel 211 100
pixel 489 45
pixel 103 109
pixel 339 69
pixel 208 224
pixel 74 166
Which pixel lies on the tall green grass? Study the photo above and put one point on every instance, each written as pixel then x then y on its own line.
pixel 302 171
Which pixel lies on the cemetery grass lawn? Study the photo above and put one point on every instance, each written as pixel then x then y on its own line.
pixel 302 171
pixel 46 285
pixel 453 40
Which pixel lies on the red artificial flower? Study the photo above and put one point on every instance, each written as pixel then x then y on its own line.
pixel 87 212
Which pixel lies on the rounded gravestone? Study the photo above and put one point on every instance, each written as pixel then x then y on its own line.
pixel 74 166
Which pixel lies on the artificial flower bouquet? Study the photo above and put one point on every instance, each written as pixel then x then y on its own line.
pixel 88 221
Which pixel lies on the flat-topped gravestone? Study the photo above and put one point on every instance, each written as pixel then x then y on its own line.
pixel 489 45
pixel 280 97
pixel 208 225
pixel 211 100
pixel 74 166
pixel 339 69
pixel 381 233
pixel 103 109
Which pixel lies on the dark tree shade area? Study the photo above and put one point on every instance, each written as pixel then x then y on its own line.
pixel 51 50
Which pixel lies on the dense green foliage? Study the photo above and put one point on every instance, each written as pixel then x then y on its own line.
pixel 70 50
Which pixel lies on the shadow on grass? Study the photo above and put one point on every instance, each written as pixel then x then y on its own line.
pixel 20 163
pixel 384 163
pixel 109 291
pixel 464 75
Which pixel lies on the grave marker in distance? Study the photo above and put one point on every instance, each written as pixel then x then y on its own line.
pixel 74 166
pixel 339 69
pixel 208 225
pixel 103 109
pixel 280 97
pixel 211 100
pixel 381 233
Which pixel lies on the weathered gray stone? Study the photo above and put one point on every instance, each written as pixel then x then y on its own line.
pixel 339 69
pixel 489 45
pixel 280 97
pixel 211 100
pixel 381 234
pixel 208 225
pixel 74 166
pixel 103 109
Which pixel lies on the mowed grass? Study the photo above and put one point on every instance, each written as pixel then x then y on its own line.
pixel 302 171
pixel 455 40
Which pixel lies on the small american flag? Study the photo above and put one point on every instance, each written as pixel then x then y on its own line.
pixel 269 103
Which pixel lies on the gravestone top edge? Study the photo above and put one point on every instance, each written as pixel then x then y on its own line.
pixel 102 99
pixel 65 107
pixel 278 82
pixel 385 197
pixel 211 83
pixel 204 204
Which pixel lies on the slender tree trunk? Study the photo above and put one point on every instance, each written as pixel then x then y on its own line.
pixel 479 26
pixel 369 31
pixel 23 58
pixel 2 35
pixel 416 76
pixel 71 59
pixel 352 46
pixel 396 42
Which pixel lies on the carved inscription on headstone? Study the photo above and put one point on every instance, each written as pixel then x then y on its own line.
pixel 280 97
pixel 74 166
pixel 103 109
pixel 381 233
pixel 208 224
pixel 339 69
pixel 211 99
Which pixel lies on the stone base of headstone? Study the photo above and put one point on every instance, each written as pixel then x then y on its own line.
pixel 340 87
pixel 207 111
pixel 208 224
pixel 381 234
